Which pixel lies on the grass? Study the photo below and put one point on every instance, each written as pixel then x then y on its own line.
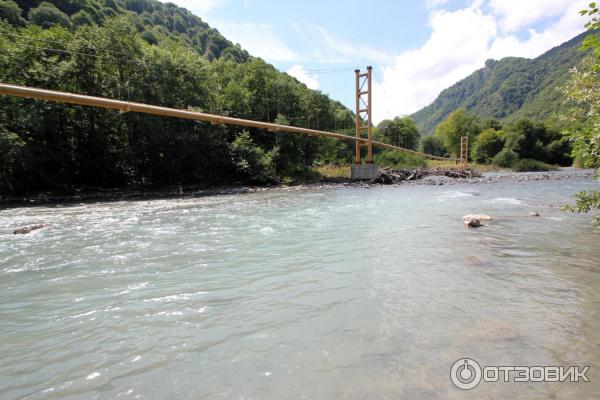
pixel 486 167
pixel 452 164
pixel 441 164
pixel 395 159
pixel 334 171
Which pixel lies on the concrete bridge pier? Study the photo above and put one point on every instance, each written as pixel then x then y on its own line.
pixel 364 171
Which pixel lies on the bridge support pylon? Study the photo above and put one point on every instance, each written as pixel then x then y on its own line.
pixel 464 151
pixel 364 123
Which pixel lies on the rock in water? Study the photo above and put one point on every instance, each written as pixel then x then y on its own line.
pixel 473 223
pixel 480 217
pixel 28 229
pixel 534 214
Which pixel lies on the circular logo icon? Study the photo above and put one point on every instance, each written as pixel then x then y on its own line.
pixel 465 373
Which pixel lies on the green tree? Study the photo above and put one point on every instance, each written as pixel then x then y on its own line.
pixel 81 18
pixel 488 144
pixel 10 11
pixel 47 15
pixel 583 98
pixel 527 138
pixel 592 41
pixel 458 124
pixel 537 141
pixel 433 145
pixel 400 132
pixel 492 123
pixel 10 153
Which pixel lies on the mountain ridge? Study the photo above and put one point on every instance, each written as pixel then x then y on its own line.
pixel 507 89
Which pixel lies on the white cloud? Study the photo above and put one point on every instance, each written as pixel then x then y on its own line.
pixel 260 40
pixel 298 72
pixel 459 44
pixel 517 14
pixel 198 7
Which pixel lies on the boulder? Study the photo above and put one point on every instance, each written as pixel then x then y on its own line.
pixel 473 223
pixel 480 217
pixel 383 178
pixel 28 229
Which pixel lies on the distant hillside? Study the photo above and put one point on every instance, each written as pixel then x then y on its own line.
pixel 507 89
pixel 155 21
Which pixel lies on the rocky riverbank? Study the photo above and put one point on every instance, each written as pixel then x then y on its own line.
pixel 394 177
pixel 390 176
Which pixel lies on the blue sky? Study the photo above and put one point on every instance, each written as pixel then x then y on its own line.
pixel 417 48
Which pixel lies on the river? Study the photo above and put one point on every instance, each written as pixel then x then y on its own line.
pixel 342 293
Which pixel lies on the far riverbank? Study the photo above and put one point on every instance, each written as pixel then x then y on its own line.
pixel 419 176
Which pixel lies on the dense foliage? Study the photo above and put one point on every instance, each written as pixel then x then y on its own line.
pixel 156 22
pixel 582 94
pixel 49 146
pixel 433 145
pixel 505 146
pixel 489 143
pixel 459 124
pixel 400 132
pixel 396 159
pixel 508 89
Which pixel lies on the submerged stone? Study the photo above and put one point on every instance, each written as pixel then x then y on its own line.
pixel 28 229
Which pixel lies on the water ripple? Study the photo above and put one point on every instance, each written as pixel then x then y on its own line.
pixel 345 293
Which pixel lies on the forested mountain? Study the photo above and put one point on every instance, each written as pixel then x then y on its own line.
pixel 508 89
pixel 83 47
pixel 156 22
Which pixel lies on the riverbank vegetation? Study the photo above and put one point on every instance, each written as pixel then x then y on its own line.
pixel 582 94
pixel 54 147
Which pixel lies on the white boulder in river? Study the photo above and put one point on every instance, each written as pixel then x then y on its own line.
pixel 480 217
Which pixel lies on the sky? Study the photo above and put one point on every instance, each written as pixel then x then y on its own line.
pixel 417 47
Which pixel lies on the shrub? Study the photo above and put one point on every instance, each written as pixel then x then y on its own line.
pixel 252 162
pixel 506 158
pixel 532 165
pixel 10 152
pixel 397 159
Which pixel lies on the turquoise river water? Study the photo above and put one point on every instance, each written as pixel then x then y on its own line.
pixel 345 293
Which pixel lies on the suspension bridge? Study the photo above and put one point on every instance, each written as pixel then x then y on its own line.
pixel 363 121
